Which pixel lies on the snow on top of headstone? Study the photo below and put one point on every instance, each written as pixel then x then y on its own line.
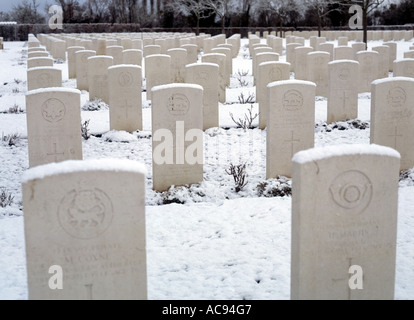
pixel 52 90
pixel 285 82
pixel 343 60
pixel 177 85
pixel 317 154
pixel 101 57
pixel 132 50
pixel 318 52
pixel 157 56
pixel 39 58
pixel 273 62
pixel 176 49
pixel 43 68
pixel 75 166
pixel 120 66
pixel 267 53
pixel 404 59
pixel 213 54
pixel 385 80
pixel 202 64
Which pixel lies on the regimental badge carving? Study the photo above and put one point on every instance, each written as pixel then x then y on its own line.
pixel 178 104
pixel 85 214
pixel 44 80
pixel 344 74
pixel 396 97
pixel 292 100
pixel 275 74
pixel 125 79
pixel 53 110
pixel 352 190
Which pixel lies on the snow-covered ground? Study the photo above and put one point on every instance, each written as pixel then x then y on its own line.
pixel 209 242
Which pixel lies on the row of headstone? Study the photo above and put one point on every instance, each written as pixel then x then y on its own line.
pixel 344 221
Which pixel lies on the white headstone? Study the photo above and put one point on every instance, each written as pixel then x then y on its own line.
pixel 43 77
pixel 98 77
pixel 85 222
pixel 158 71
pixel 82 81
pixel 317 65
pixel 344 223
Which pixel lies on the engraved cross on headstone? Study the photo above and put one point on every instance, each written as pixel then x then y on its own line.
pixel 55 152
pixel 344 98
pixel 126 106
pixel 346 279
pixel 292 141
pixel 395 136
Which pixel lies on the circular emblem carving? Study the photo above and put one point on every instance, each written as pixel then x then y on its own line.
pixel 396 97
pixel 44 80
pixel 292 100
pixel 53 110
pixel 85 214
pixel 352 190
pixel 125 79
pixel 178 104
pixel 275 74
pixel 344 74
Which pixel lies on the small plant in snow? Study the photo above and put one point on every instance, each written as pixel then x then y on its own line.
pixel 240 77
pixel 85 130
pixel 16 90
pixel 17 81
pixel 239 175
pixel 279 187
pixel 247 122
pixel 15 109
pixel 95 105
pixel 407 178
pixel 246 100
pixel 10 139
pixel 6 198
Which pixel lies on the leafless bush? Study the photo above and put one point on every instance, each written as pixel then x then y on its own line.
pixel 6 198
pixel 239 175
pixel 17 81
pixel 16 90
pixel 240 77
pixel 15 109
pixel 246 100
pixel 247 122
pixel 85 130
pixel 10 139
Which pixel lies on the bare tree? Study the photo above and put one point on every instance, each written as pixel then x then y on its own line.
pixel 27 13
pixel 280 8
pixel 198 8
pixel 322 8
pixel 367 6
pixel 223 9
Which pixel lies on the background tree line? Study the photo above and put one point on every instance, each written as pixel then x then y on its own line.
pixel 215 13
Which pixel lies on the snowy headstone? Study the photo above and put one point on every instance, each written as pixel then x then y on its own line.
pixel 132 56
pixel 158 71
pixel 368 69
pixel 177 124
pixel 342 41
pixel 384 59
pixel 82 56
pixel 392 116
pixel 116 53
pixel 38 54
pixel 290 54
pixel 72 61
pixel 343 53
pixel 317 66
pixel 409 54
pixel 300 61
pixel 151 50
pixel 404 68
pixel 178 62
pixel 53 125
pixel 327 47
pixel 85 230
pixel 358 46
pixel 39 62
pixel 268 72
pixel 98 77
pixel 229 61
pixel 43 77
pixel 264 57
pixel 192 53
pixel 343 90
pixel 206 75
pixel 290 124
pixel 125 98
pixel 344 223
pixel 220 60
pixel 393 54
